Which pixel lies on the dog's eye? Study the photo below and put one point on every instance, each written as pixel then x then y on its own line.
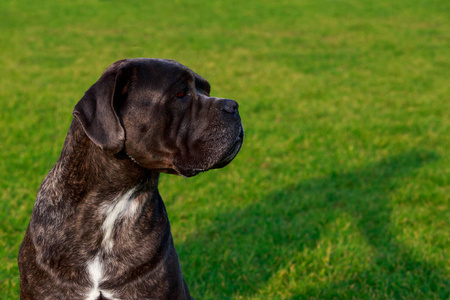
pixel 181 94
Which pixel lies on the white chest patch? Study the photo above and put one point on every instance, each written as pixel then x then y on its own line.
pixel 95 270
pixel 122 207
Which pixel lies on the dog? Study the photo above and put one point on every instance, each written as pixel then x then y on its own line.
pixel 99 228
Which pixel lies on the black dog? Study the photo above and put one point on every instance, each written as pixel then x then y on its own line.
pixel 99 228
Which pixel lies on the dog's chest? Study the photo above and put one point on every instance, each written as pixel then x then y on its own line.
pixel 118 216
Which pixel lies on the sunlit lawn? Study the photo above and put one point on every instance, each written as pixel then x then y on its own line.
pixel 341 190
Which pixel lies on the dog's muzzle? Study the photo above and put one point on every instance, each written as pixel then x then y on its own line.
pixel 232 152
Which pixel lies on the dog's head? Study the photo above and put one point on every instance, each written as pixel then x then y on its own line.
pixel 160 113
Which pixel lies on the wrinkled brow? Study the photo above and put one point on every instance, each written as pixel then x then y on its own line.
pixel 202 84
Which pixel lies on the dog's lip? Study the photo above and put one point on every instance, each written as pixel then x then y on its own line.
pixel 232 152
pixel 236 146
pixel 225 160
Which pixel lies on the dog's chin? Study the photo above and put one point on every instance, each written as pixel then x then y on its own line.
pixel 222 162
pixel 231 153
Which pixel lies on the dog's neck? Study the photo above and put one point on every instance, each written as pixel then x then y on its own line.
pixel 87 182
pixel 95 198
pixel 84 168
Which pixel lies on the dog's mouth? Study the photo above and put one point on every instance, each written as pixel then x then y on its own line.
pixel 232 152
pixel 225 160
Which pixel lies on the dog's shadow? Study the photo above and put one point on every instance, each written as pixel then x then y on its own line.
pixel 245 250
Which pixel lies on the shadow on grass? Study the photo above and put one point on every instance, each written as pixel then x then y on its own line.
pixel 245 249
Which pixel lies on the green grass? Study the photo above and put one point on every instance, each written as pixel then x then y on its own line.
pixel 341 190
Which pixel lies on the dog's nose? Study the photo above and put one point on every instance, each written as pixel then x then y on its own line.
pixel 230 106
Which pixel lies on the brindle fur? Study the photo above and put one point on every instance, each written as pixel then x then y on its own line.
pixel 132 111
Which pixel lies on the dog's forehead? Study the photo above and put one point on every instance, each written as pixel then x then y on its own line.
pixel 163 73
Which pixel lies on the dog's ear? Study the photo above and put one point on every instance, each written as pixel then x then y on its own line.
pixel 96 110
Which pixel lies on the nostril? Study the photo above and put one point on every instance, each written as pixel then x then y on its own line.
pixel 230 106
